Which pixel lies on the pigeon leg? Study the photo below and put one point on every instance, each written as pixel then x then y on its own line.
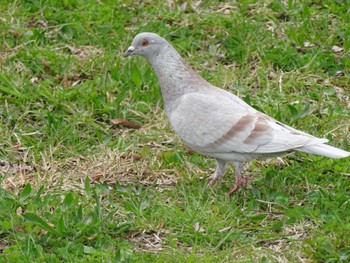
pixel 219 172
pixel 239 179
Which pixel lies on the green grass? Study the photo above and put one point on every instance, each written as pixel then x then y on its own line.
pixel 76 188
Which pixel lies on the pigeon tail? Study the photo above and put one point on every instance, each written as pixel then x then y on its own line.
pixel 324 150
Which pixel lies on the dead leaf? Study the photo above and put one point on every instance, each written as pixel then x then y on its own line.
pixel 136 157
pixel 337 49
pixel 183 6
pixel 197 228
pixel 225 229
pixel 339 73
pixel 190 151
pixel 271 75
pixel 126 123
pixel 34 80
pixel 308 44
pixel 97 176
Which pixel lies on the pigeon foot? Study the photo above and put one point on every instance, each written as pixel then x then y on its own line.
pixel 240 181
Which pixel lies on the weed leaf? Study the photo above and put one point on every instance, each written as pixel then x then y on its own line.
pixel 33 218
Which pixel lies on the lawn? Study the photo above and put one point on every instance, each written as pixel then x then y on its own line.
pixel 91 170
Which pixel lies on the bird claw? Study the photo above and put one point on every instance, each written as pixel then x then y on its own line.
pixel 233 189
pixel 212 182
pixel 243 180
pixel 240 181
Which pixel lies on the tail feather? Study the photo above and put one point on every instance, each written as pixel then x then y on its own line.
pixel 324 150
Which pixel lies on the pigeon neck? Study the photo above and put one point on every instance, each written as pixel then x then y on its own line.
pixel 175 76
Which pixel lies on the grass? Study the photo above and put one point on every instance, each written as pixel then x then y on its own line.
pixel 77 188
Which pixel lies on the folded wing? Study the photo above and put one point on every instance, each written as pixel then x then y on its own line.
pixel 216 121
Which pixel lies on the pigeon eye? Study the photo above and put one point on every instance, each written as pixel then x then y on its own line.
pixel 144 43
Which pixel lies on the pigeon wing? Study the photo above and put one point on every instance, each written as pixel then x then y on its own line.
pixel 218 121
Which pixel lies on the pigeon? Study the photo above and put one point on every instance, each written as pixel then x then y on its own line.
pixel 215 122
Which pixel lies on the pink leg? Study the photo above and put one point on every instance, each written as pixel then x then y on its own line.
pixel 219 172
pixel 239 180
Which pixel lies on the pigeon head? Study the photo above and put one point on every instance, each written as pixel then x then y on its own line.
pixel 145 44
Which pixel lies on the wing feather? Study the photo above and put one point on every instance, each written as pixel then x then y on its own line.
pixel 217 121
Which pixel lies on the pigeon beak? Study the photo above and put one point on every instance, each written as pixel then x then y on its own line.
pixel 129 52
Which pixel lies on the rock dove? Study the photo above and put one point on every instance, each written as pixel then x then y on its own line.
pixel 215 122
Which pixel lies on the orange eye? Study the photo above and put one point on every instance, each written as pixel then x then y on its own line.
pixel 144 43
